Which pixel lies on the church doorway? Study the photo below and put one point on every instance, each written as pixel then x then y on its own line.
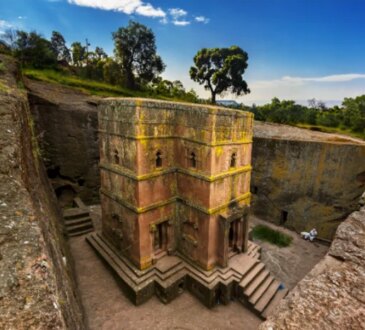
pixel 233 236
pixel 160 239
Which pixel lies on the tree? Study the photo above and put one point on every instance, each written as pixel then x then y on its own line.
pixel 59 47
pixel 8 38
pixel 33 50
pixel 220 70
pixel 78 53
pixel 135 48
pixel 100 53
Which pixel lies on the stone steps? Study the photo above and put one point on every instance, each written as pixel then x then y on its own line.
pixel 82 232
pixel 260 290
pixel 77 220
pixel 254 285
pixel 75 213
pixel 267 296
pixel 78 228
pixel 254 272
pixel 280 294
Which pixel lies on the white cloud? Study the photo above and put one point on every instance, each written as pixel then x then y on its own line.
pixel 331 78
pixel 4 25
pixel 164 20
pixel 125 6
pixel 202 19
pixel 22 17
pixel 295 81
pixel 177 12
pixel 180 23
pixel 178 16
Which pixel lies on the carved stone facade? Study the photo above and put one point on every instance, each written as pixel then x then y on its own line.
pixel 175 178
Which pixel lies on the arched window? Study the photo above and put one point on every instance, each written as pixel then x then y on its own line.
pixel 158 159
pixel 192 160
pixel 116 157
pixel 233 160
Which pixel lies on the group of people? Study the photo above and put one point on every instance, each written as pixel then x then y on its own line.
pixel 309 236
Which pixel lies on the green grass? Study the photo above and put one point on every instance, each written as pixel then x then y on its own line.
pixel 265 233
pixel 336 130
pixel 91 86
pixel 86 85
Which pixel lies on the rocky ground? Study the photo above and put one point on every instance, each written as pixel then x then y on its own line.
pixel 332 295
pixel 286 132
pixel 292 263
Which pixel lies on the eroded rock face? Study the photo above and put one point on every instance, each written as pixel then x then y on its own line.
pixel 36 286
pixel 66 122
pixel 332 295
pixel 303 179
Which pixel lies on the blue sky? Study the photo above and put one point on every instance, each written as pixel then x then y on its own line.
pixel 298 49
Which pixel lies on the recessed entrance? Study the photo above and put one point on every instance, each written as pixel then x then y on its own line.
pixel 233 236
pixel 284 217
pixel 160 238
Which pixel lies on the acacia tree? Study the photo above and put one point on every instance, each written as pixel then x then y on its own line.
pixel 220 70
pixel 135 49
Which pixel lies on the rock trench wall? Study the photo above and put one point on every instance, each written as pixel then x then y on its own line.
pixel 306 184
pixel 66 122
pixel 37 290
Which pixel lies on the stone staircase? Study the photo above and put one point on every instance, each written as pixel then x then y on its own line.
pixel 246 278
pixel 77 220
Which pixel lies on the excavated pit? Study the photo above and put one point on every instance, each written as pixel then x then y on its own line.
pixel 39 290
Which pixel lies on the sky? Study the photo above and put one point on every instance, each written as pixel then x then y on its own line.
pixel 298 49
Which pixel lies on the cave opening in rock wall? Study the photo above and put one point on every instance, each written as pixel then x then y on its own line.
pixel 284 217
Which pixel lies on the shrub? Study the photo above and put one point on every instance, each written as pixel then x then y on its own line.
pixel 265 233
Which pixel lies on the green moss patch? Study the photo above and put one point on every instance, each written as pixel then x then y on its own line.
pixel 265 233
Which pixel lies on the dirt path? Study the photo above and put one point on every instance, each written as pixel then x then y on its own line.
pixel 107 308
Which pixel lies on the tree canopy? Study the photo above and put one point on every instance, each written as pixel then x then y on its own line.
pixel 221 70
pixel 135 48
pixel 59 47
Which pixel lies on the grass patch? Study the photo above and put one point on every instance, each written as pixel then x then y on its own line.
pixel 265 233
pixel 86 85
pixel 336 130
pixel 90 86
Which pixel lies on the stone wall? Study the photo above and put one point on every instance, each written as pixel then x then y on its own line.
pixel 37 290
pixel 66 122
pixel 332 295
pixel 303 179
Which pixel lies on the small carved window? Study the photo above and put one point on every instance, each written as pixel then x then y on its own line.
pixel 116 157
pixel 158 159
pixel 193 160
pixel 233 160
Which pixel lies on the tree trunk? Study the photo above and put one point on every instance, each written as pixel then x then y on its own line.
pixel 213 97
